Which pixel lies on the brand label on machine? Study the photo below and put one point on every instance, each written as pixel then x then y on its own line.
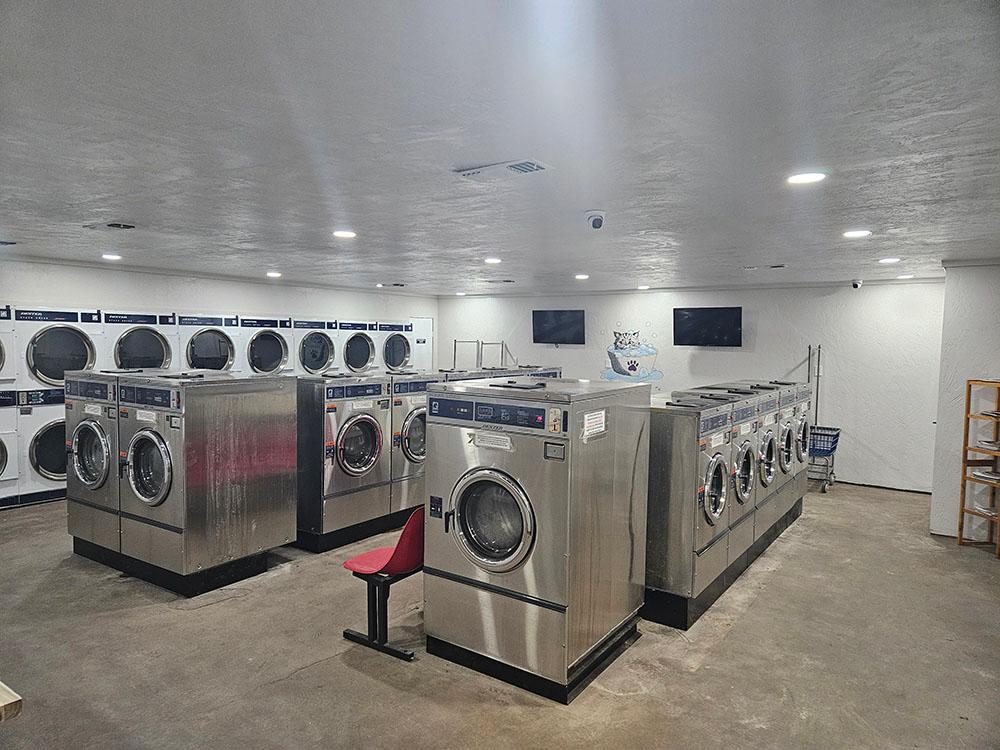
pixel 145 416
pixel 718 439
pixel 311 324
pixel 130 319
pixel 746 428
pixel 492 440
pixel 595 423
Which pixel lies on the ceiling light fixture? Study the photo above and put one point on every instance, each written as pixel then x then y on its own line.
pixel 344 234
pixel 459 294
pixel 888 261
pixel 582 276
pixel 111 256
pixel 379 286
pixel 642 287
pixel 492 261
pixel 749 268
pixel 274 274
pixel 806 178
pixel 854 234
pixel 778 266
pixel 905 276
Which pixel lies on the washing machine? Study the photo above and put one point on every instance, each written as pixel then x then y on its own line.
pixel 409 439
pixel 8 352
pixel 801 421
pixel 395 342
pixel 140 340
pixel 267 346
pixel 316 346
pixel 359 352
pixel 50 342
pixel 344 456
pixel 92 464
pixel 535 521
pixel 210 342
pixel 41 437
pixel 9 454
pixel 208 477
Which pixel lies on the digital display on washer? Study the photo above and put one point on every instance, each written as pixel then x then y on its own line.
pixel 770 405
pixel 520 416
pixel 450 408
pixel 744 414
pixel 145 396
pixel 412 387
pixel 85 389
pixel 711 424
pixel 788 398
pixel 354 391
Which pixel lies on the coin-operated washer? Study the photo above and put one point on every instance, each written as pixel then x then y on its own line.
pixel 534 543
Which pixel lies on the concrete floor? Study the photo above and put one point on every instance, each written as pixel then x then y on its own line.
pixel 856 629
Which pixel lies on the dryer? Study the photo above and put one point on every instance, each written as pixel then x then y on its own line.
pixel 9 453
pixel 409 439
pixel 316 346
pixel 92 506
pixel 49 342
pixel 359 352
pixel 535 520
pixel 344 458
pixel 140 340
pixel 395 342
pixel 9 356
pixel 41 437
pixel 267 347
pixel 209 342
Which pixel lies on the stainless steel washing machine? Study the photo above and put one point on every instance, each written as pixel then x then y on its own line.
pixel 344 457
pixel 534 555
pixel 92 464
pixel 409 440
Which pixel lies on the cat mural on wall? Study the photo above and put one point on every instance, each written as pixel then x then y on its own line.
pixel 631 359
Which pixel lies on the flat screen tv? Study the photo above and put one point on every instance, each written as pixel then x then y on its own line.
pixel 708 326
pixel 558 327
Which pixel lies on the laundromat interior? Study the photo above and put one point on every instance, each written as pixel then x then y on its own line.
pixel 514 374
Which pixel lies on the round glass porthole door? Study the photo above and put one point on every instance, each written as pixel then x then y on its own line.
pixel 396 352
pixel 768 466
pixel 47 451
pixel 149 467
pixel 91 454
pixel 494 523
pixel 4 457
pixel 746 473
pixel 716 486
pixel 267 352
pixel 359 352
pixel 210 349
pixel 359 445
pixel 142 348
pixel 802 439
pixel 786 448
pixel 316 352
pixel 413 435
pixel 56 349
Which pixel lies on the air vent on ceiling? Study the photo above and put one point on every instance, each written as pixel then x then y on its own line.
pixel 502 170
pixel 499 281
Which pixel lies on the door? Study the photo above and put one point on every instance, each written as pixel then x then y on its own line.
pixel 316 352
pixel 267 352
pixel 142 348
pixel 210 349
pixel 54 350
pixel 494 525
pixel 413 435
pixel 359 352
pixel 150 470
pixel 423 344
pixel 396 352
pixel 359 445
pixel 47 451
pixel 803 434
pixel 786 448
pixel 768 464
pixel 91 451
pixel 745 474
pixel 716 489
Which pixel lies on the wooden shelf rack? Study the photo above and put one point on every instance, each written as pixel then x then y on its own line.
pixel 970 462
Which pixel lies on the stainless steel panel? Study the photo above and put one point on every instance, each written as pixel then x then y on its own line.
pixel 347 509
pixel 154 545
pixel 801 484
pixel 741 537
pixel 97 526
pixel 765 515
pixel 103 414
pixel 514 632
pixel 407 493
pixel 709 564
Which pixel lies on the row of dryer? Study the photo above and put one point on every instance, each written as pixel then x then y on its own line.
pixel 39 345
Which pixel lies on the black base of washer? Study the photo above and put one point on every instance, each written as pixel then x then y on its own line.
pixel 313 542
pixel 682 612
pixel 580 676
pixel 189 585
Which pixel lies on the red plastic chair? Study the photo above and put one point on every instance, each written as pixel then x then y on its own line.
pixel 380 568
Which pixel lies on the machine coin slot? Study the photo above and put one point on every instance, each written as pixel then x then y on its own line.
pixel 436 507
pixel 112 412
pixel 175 423
pixel 555 452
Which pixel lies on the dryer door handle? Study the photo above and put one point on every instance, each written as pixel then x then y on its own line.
pixel 450 515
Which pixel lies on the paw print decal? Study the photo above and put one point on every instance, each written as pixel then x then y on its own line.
pixel 632 365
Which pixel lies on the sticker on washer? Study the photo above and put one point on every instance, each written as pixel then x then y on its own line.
pixel 595 423
pixel 491 440
pixel 145 416
pixel 92 409
pixel 745 428
pixel 718 439
pixel 362 404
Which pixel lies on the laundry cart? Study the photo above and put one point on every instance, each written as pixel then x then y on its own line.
pixel 822 452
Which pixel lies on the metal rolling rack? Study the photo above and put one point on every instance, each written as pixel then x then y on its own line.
pixel 506 356
pixel 986 464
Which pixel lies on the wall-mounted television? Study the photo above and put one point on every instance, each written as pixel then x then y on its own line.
pixel 558 327
pixel 708 326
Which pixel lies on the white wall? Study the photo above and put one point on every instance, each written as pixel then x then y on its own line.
pixel 881 349
pixel 54 285
pixel 971 349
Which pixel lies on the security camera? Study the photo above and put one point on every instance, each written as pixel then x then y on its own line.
pixel 856 283
pixel 595 219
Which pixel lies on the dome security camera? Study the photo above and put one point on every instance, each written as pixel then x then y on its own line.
pixel 856 283
pixel 595 219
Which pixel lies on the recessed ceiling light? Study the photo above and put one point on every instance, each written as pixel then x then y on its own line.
pixel 492 261
pixel 459 294
pixel 806 178
pixel 853 234
pixel 582 276
pixel 777 266
pixel 888 261
pixel 379 286
pixel 905 276
pixel 111 256
pixel 274 274
pixel 642 287
pixel 749 268
pixel 344 234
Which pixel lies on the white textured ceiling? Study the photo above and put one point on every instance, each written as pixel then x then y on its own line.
pixel 238 135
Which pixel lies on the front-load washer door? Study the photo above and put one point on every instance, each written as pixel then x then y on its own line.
pixel 316 352
pixel 767 464
pixel 47 451
pixel 210 349
pixel 716 489
pixel 55 349
pixel 396 352
pixel 359 352
pixel 745 472
pixel 494 525
pixel 802 436
pixel 267 352
pixel 8 456
pixel 150 470
pixel 91 451
pixel 413 435
pixel 786 448
pixel 142 348
pixel 359 445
